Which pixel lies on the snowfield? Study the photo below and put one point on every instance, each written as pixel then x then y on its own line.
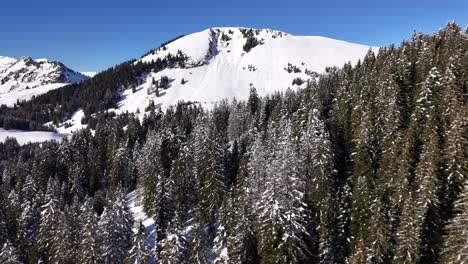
pixel 219 68
pixel 71 125
pixel 89 74
pixel 24 137
pixel 12 97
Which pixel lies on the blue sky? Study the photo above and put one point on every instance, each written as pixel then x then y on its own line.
pixel 91 35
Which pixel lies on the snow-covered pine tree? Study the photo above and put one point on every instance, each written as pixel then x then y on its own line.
pixel 241 243
pixel 174 248
pixel 454 250
pixel 428 201
pixel 419 209
pixel 318 167
pixel 108 252
pixel 220 246
pixel 293 198
pixel 199 244
pixel 120 169
pixel 150 167
pixel 220 242
pixel 408 234
pixel 362 184
pixel 8 254
pixel 124 218
pixel 423 118
pixel 63 250
pixel 3 230
pixel 112 240
pixel 164 205
pixel 208 157
pixel 49 226
pixel 30 216
pixel 88 248
pixel 268 205
pixel 78 180
pixel 455 154
pixel 282 209
pixel 139 253
pixel 378 243
pixel 182 175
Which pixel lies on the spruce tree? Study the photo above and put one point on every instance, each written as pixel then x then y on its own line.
pixel 8 254
pixel 140 252
pixel 88 247
pixel 112 240
pixel 174 247
pixel 454 250
pixel 207 157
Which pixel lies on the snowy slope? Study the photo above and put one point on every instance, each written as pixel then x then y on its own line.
pixel 22 78
pixel 24 137
pixel 218 67
pixel 89 74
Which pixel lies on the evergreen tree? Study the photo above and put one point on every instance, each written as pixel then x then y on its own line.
pixel 174 247
pixel 207 157
pixel 378 243
pixel 8 254
pixel 282 211
pixel 454 249
pixel 111 237
pixel 408 234
pixel 50 224
pixel 241 242
pixel 456 156
pixel 198 242
pixel 88 248
pixel 182 174
pixel 140 252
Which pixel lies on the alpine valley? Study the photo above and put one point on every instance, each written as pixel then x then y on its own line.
pixel 240 145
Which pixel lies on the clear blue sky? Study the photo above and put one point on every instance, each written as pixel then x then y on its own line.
pixel 91 35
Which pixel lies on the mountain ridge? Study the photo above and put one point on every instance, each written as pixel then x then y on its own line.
pixel 23 78
pixel 203 67
pixel 224 62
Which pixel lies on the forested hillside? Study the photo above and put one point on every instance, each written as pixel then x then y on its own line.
pixel 366 165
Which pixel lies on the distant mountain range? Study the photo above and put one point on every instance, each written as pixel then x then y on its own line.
pixel 204 67
pixel 22 78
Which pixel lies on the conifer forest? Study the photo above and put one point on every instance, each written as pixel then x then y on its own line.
pixel 366 164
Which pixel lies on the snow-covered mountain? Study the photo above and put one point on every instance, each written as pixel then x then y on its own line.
pixel 225 62
pixel 89 74
pixel 22 78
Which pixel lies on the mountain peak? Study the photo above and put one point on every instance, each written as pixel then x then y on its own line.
pixel 22 78
pixel 224 62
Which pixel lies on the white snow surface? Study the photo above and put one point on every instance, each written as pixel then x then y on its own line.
pixel 219 68
pixel 89 74
pixel 12 97
pixel 22 78
pixel 24 137
pixel 70 125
